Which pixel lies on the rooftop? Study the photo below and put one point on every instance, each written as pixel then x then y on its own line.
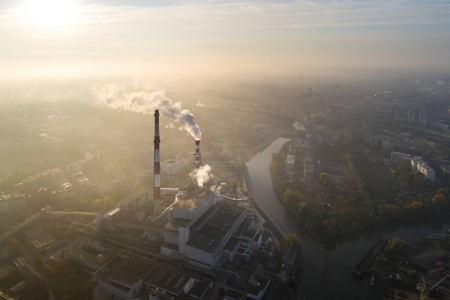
pixel 123 280
pixel 232 243
pixel 211 234
pixel 156 274
pixel 199 289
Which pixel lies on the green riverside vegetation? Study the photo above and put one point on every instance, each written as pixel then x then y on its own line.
pixel 366 206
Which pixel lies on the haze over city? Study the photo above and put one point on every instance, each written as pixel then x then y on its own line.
pixel 227 150
pixel 198 38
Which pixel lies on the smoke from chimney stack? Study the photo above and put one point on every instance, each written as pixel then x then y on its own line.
pixel 145 100
pixel 201 175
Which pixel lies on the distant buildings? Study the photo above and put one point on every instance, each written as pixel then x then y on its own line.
pixel 400 157
pixel 290 165
pixel 419 165
pixel 12 203
pixel 443 125
pixel 416 115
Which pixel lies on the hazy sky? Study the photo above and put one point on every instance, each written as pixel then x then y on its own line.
pixel 88 37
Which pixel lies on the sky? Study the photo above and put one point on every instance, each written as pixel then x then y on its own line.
pixel 194 37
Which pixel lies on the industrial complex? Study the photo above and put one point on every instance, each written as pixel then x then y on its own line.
pixel 166 242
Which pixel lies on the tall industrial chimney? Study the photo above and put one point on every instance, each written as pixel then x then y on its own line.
pixel 157 170
pixel 197 154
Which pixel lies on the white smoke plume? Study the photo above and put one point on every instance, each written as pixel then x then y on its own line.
pixel 298 126
pixel 188 203
pixel 145 100
pixel 202 175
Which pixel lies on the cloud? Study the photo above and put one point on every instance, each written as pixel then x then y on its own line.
pixel 148 35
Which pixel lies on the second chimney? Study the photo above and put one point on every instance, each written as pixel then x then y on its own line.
pixel 197 154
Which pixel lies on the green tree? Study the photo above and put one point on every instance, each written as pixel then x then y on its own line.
pixel 98 204
pixel 404 181
pixel 233 185
pixel 291 198
pixel 107 203
pixel 292 238
pixel 73 230
pixel 395 246
pixel 115 196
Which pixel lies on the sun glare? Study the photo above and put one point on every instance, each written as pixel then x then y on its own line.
pixel 47 13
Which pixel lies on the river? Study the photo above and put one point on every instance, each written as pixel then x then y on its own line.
pixel 326 274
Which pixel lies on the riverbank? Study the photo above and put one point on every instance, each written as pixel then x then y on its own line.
pixel 326 273
pixel 270 224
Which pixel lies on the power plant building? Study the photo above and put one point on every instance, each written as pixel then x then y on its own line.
pixel 173 166
pixel 212 232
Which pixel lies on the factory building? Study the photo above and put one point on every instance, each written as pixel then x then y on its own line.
pixel 121 285
pixel 128 277
pixel 210 232
pixel 173 166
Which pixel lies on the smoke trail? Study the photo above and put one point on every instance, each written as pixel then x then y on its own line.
pixel 189 203
pixel 202 175
pixel 298 126
pixel 145 100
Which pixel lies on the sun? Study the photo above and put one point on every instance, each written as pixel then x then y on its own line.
pixel 47 13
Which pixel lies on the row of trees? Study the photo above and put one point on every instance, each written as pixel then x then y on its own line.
pixel 89 204
pixel 358 182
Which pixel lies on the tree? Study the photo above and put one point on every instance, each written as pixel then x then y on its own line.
pixel 419 179
pixel 73 230
pixel 303 210
pixel 438 199
pixel 98 204
pixel 404 168
pixel 115 196
pixel 404 181
pixel 291 198
pixel 233 185
pixel 107 203
pixel 292 238
pixel 395 246
pixel 324 178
